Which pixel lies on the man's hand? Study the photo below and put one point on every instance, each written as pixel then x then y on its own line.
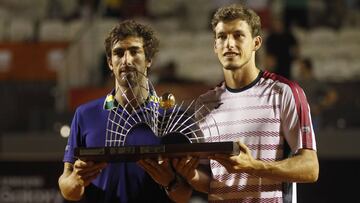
pixel 160 171
pixel 84 172
pixel 244 162
pixel 302 167
pixel 186 167
pixel 76 177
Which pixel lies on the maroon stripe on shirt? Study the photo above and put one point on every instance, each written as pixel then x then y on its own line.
pixel 301 107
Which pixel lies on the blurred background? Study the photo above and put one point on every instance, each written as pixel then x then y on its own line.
pixel 52 59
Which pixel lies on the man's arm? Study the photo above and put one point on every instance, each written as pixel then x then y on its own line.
pixel 302 167
pixel 76 177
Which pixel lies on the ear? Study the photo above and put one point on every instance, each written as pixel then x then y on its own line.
pixel 257 42
pixel 148 63
pixel 215 47
pixel 109 64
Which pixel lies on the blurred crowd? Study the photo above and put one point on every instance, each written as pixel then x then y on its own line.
pixel 298 36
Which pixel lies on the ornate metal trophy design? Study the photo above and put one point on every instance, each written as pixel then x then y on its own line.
pixel 149 126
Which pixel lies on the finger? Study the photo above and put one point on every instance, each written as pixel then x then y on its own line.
pixel 90 174
pixel 243 147
pixel 88 180
pixel 82 164
pixel 82 167
pixel 190 167
pixel 98 166
pixel 160 168
pixel 181 164
pixel 147 166
pixel 194 163
pixel 164 163
pixel 90 169
pixel 191 162
pixel 152 163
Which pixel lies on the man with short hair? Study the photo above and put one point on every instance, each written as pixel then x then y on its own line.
pixel 265 113
pixel 130 48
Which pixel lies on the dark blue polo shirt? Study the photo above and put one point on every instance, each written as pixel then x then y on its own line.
pixel 118 182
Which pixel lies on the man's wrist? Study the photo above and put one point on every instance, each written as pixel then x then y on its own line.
pixel 173 184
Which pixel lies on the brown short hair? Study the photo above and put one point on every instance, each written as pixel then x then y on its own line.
pixel 238 11
pixel 131 28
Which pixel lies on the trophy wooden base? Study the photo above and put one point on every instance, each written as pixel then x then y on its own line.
pixel 134 153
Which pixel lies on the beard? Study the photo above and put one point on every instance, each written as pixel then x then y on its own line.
pixel 128 76
pixel 132 79
pixel 128 79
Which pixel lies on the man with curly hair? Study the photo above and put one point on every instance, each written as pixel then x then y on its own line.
pixel 266 114
pixel 130 48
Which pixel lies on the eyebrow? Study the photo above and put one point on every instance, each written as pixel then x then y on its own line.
pixel 239 31
pixel 117 49
pixel 219 33
pixel 234 32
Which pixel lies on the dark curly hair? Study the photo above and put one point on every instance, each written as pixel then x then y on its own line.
pixel 131 28
pixel 237 11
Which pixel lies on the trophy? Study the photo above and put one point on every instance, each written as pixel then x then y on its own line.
pixel 149 126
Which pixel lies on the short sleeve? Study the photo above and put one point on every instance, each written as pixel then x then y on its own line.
pixel 296 119
pixel 73 140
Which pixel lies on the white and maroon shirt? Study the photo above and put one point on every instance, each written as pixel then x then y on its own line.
pixel 268 115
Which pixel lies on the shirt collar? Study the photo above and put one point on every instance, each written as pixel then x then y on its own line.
pixel 111 103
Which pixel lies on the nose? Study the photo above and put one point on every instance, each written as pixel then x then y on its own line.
pixel 126 59
pixel 230 41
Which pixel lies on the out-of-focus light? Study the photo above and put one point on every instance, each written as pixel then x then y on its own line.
pixel 65 131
